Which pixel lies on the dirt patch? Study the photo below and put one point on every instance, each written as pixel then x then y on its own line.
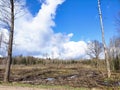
pixel 81 78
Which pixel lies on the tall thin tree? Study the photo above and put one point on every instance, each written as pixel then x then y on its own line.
pixel 7 72
pixel 103 41
pixel 8 10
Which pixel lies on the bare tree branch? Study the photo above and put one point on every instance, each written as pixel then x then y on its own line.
pixel 94 49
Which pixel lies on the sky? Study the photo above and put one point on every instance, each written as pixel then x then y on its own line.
pixel 81 18
pixel 62 28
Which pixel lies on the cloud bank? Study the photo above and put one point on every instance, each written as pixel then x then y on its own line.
pixel 34 35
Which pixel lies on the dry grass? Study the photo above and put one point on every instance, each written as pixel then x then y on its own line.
pixel 88 75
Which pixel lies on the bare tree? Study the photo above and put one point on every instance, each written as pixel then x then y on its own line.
pixel 8 11
pixel 116 39
pixel 114 48
pixel 118 22
pixel 95 48
pixel 1 40
pixel 103 41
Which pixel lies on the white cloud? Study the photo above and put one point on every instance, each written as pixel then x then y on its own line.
pixel 35 36
pixel 74 50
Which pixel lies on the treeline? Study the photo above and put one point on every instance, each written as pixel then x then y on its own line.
pixel 95 63
pixel 29 60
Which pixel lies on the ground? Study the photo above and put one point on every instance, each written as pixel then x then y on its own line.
pixel 75 75
pixel 28 88
pixel 18 88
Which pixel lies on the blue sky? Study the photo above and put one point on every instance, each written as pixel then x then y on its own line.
pixel 62 28
pixel 80 17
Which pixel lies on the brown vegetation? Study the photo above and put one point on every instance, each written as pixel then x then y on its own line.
pixel 79 73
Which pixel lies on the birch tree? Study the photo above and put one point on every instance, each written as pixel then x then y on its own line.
pixel 103 41
pixel 9 10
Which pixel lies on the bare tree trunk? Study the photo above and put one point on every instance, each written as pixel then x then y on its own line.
pixel 9 59
pixel 103 40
